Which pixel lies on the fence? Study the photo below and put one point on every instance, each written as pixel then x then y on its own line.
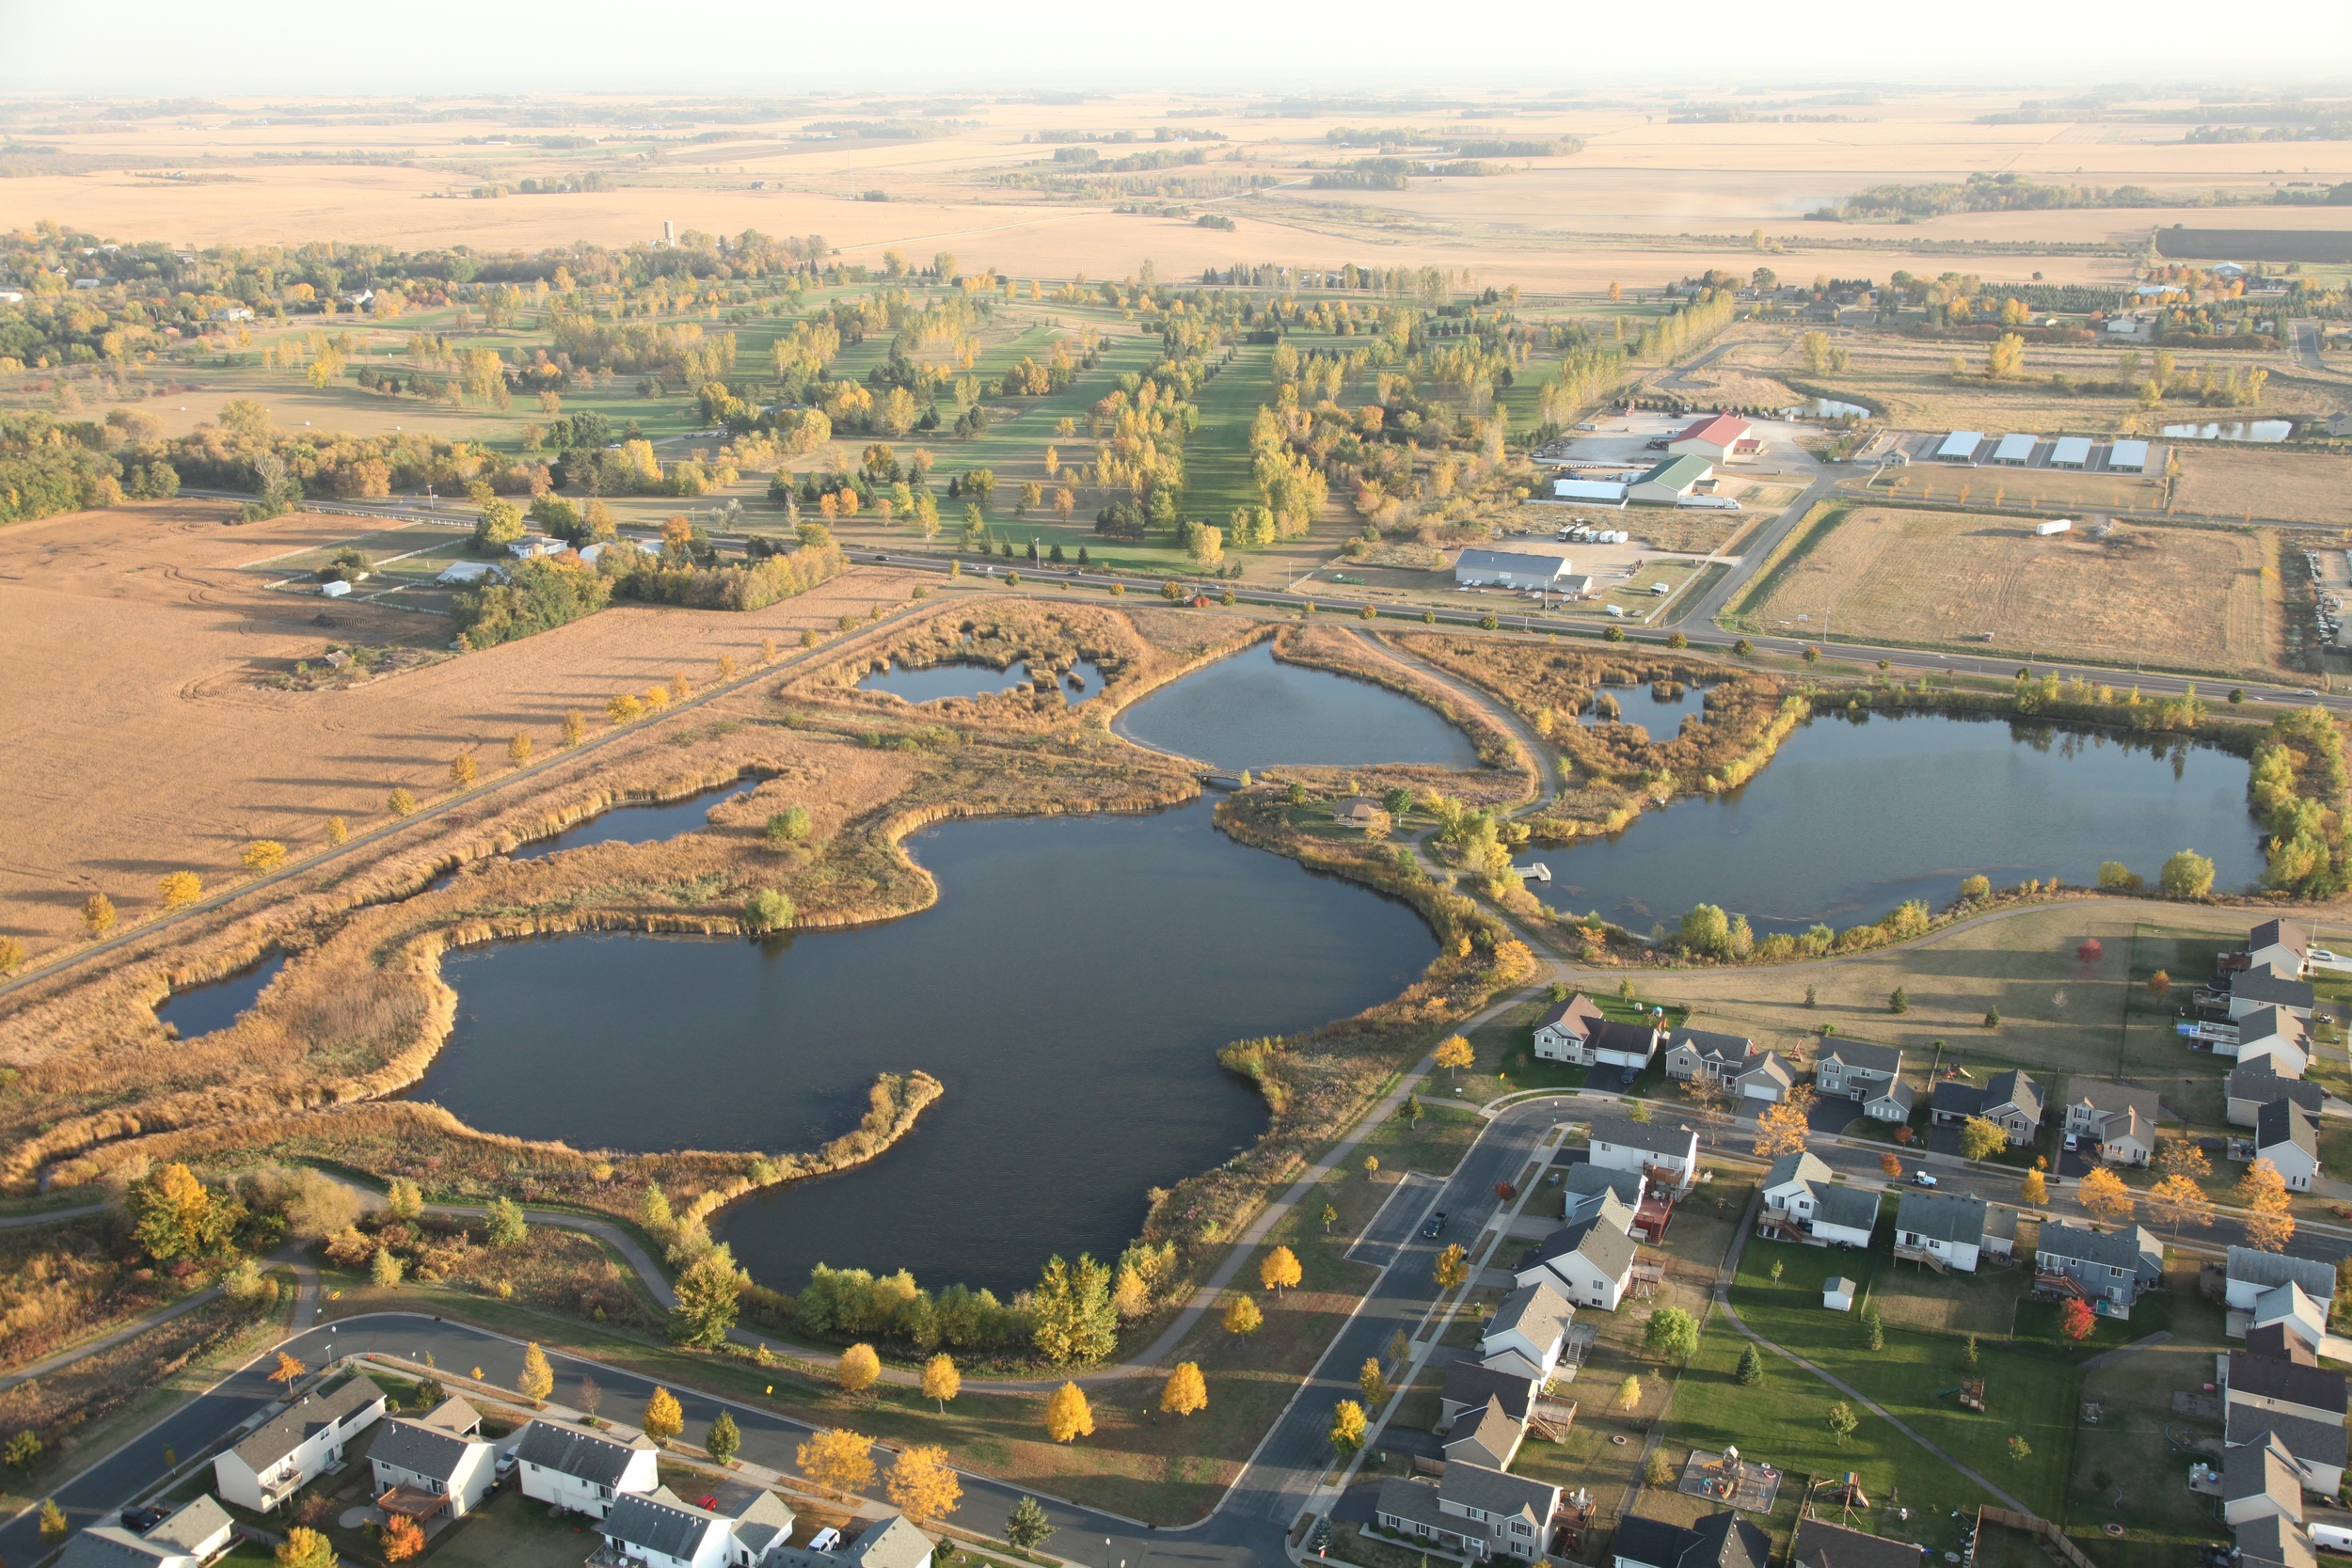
pixel 2051 1535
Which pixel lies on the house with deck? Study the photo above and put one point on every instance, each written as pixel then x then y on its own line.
pixel 2275 1035
pixel 1564 1033
pixel 2270 1399
pixel 1590 1263
pixel 2110 1269
pixel 1658 1150
pixel 293 1449
pixel 436 1464
pixel 1478 1513
pixel 1486 1436
pixel 2118 1118
pixel 2288 1136
pixel 2255 1085
pixel 1469 1385
pixel 1528 1332
pixel 2012 1100
pixel 1724 1540
pixel 1942 1229
pixel 2252 990
pixel 2283 946
pixel 2253 1273
pixel 582 1470
pixel 2260 1479
pixel 1584 1186
pixel 1801 1195
pixel 734 1526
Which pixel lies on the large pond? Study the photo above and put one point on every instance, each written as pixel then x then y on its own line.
pixel 1081 684
pixel 1851 818
pixel 215 1003
pixel 1070 989
pixel 1254 711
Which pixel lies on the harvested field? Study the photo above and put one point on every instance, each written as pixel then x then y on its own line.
pixel 146 738
pixel 2295 486
pixel 2179 598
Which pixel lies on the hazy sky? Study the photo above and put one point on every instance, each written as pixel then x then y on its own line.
pixel 149 47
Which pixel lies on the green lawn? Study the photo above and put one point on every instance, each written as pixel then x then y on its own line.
pixel 512 1531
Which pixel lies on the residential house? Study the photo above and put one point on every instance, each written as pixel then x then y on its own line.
pixel 1585 1185
pixel 2287 1340
pixel 1645 1146
pixel 1469 1388
pixel 1489 1437
pixel 2275 1034
pixel 1565 1033
pixel 1893 1102
pixel 1766 1079
pixel 1361 812
pixel 287 1452
pixel 2287 1137
pixel 439 1462
pixel 2286 1312
pixel 1718 438
pixel 1943 1226
pixel 2260 1480
pixel 2280 945
pixel 1528 1331
pixel 2253 1085
pixel 2269 1386
pixel 1719 1540
pixel 1509 569
pixel 1632 1046
pixel 663 1530
pixel 1670 481
pixel 2001 1231
pixel 1800 1193
pixel 1791 1177
pixel 1476 1512
pixel 2011 1100
pixel 1823 1545
pixel 2121 1119
pixel 2317 1447
pixel 2253 1273
pixel 1854 1069
pixel 1695 1053
pixel 2274 1541
pixel 192 1536
pixel 582 1470
pixel 2113 1268
pixel 1590 1263
pixel 898 1542
pixel 2252 990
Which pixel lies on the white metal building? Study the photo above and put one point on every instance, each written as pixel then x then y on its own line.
pixel 2016 449
pixel 2072 451
pixel 1959 446
pixel 1510 569
pixel 1602 491
pixel 2128 457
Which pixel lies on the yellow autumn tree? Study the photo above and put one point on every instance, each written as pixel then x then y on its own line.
pixel 923 1485
pixel 1068 1417
pixel 859 1369
pixel 941 1381
pixel 2034 1189
pixel 1242 1315
pixel 664 1419
pixel 179 888
pixel 1278 1270
pixel 1185 1391
pixel 538 1379
pixel 1781 1129
pixel 1454 1053
pixel 2103 1194
pixel 837 1458
pixel 2261 1192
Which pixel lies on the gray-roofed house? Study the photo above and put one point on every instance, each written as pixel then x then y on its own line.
pixel 2281 1386
pixel 1585 1185
pixel 1528 1331
pixel 582 1470
pixel 2280 945
pixel 2274 1542
pixel 1823 1545
pixel 1589 1263
pixel 192 1536
pixel 1894 1103
pixel 1624 1045
pixel 1692 1053
pixel 2120 1118
pixel 2287 1137
pixel 2317 1446
pixel 2256 1083
pixel 665 1530
pixel 1564 1033
pixel 2290 1311
pixel 1644 1145
pixel 1722 1540
pixel 2250 1273
pixel 1469 1385
pixel 1479 1512
pixel 1855 1070
pixel 287 1452
pixel 898 1542
pixel 2113 1267
pixel 2265 987
pixel 1766 1078
pixel 1488 1437
pixel 2275 1035
pixel 1800 1191
pixel 2011 1100
pixel 1944 1226
pixel 2259 1479
pixel 423 1468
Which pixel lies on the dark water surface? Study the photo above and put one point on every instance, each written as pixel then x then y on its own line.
pixel 1850 819
pixel 639 824
pixel 1254 711
pixel 979 680
pixel 1070 989
pixel 215 1003
pixel 1659 717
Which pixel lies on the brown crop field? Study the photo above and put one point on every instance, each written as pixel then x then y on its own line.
pixel 2181 598
pixel 145 740
pixel 2301 487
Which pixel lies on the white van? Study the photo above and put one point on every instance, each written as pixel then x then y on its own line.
pixel 1616 613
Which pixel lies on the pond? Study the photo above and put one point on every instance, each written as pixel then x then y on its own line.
pixel 1070 990
pixel 1080 685
pixel 1659 717
pixel 1254 711
pixel 1850 819
pixel 2235 430
pixel 641 822
pixel 1826 408
pixel 215 1003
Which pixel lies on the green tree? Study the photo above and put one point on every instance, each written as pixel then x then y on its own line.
pixel 724 1439
pixel 175 1217
pixel 98 914
pixel 52 1521
pixel 1993 1017
pixel 1968 1352
pixel 23 1450
pixel 767 911
pixel 403 1201
pixel 1629 1392
pixel 504 1224
pixel 400 803
pixel 2020 1450
pixel 1842 1421
pixel 1330 1217
pixel 1751 1371
pixel 1349 1427
pixel 789 826
pixel 385 1269
pixel 1898 1001
pixel 1072 1315
pixel 1981 1139
pixel 1411 1110
pixel 2187 875
pixel 1027 1526
pixel 1706 929
pixel 1873 1330
pixel 1672 1335
pixel 710 1293
pixel 499 525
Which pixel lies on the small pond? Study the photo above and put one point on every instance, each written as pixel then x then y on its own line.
pixel 2233 430
pixel 215 1003
pixel 1254 711
pixel 641 822
pixel 1070 990
pixel 1826 408
pixel 1850 819
pixel 1080 685
pixel 1659 717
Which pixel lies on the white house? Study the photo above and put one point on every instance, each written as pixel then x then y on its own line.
pixel 2276 1034
pixel 582 1470
pixel 2256 1083
pixel 1943 1226
pixel 286 1453
pixel 1509 569
pixel 1800 1193
pixel 1584 1187
pixel 1644 1145
pixel 1528 1332
pixel 2280 945
pixel 442 1461
pixel 2258 1481
pixel 2252 990
pixel 1625 1045
pixel 1590 1263
pixel 2251 1272
pixel 1564 1033
pixel 189 1538
pixel 2286 1134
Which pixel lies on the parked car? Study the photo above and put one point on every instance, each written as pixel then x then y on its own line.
pixel 505 1465
pixel 2073 1143
pixel 1921 1179
pixel 1434 1224
pixel 824 1539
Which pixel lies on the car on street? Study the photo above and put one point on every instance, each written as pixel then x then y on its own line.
pixel 1434 1224
pixel 1921 1179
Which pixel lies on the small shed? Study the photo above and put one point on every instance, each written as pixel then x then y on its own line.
pixel 1837 1295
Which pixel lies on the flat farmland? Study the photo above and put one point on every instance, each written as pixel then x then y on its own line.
pixel 146 737
pixel 2183 599
pixel 2297 486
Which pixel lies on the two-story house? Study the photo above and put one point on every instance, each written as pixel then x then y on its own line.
pixel 1801 1195
pixel 2252 990
pixel 1820 1544
pixel 1943 1226
pixel 662 1529
pixel 1564 1033
pixel 2260 1479
pixel 1855 1070
pixel 2012 1100
pixel 1488 1436
pixel 1696 1053
pixel 2113 1268
pixel 1584 1185
pixel 1469 1387
pixel 2118 1118
pixel 1528 1332
pixel 582 1470
pixel 1478 1513
pixel 2286 1322
pixel 287 1452
pixel 1631 1046
pixel 2288 1136
pixel 1718 1541
pixel 2251 1272
pixel 2301 1407
pixel 1645 1146
pixel 2255 1085
pixel 440 1463
pixel 2280 945
pixel 2273 1034
pixel 191 1537
pixel 1589 1263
